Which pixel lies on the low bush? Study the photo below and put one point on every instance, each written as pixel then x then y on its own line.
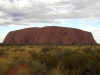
pixel 87 50
pixel 33 54
pixel 37 68
pixel 50 60
pixel 44 50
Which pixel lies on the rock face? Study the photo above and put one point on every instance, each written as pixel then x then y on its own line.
pixel 50 35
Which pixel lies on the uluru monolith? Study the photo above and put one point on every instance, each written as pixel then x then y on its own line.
pixel 50 35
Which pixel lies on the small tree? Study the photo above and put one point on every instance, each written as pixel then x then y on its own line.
pixel 73 43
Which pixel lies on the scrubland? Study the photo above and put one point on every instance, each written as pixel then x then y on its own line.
pixel 50 60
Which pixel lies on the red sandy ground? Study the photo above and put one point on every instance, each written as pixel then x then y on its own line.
pixel 14 71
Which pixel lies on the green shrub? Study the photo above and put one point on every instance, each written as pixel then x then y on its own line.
pixel 68 52
pixel 33 54
pixel 37 68
pixel 58 53
pixel 44 50
pixel 87 50
pixel 50 60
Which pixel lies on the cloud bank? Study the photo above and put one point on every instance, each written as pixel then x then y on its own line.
pixel 25 12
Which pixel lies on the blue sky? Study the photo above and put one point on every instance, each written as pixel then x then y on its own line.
pixel 19 14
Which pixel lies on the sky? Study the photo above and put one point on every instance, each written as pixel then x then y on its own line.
pixel 19 14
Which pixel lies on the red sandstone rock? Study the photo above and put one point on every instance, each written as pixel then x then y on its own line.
pixel 51 34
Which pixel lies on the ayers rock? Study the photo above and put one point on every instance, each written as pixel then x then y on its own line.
pixel 50 35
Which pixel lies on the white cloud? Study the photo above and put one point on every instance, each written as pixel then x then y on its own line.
pixel 23 12
pixel 1 39
pixel 2 21
pixel 98 39
pixel 94 30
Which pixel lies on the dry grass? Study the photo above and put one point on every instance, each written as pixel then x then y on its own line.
pixel 16 53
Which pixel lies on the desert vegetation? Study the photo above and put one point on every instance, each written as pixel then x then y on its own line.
pixel 49 59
